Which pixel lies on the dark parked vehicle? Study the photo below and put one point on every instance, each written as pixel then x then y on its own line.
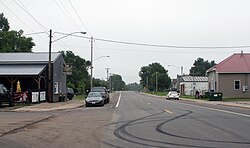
pixel 5 96
pixel 103 91
pixel 95 99
pixel 70 93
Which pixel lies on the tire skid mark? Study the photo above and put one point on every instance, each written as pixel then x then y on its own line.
pixel 122 130
pixel 160 130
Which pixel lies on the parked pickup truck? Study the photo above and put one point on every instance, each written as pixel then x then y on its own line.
pixel 5 96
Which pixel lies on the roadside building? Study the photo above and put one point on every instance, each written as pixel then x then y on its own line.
pixel 31 71
pixel 188 85
pixel 231 76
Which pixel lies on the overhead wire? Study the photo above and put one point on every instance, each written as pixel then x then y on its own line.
pixel 79 17
pixel 22 21
pixel 170 46
pixel 26 11
pixel 23 5
pixel 16 16
pixel 162 46
pixel 67 14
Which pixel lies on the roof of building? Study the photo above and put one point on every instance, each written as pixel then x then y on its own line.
pixel 27 58
pixel 27 70
pixel 189 78
pixel 236 63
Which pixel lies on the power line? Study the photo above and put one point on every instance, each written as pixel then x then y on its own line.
pixel 23 5
pixel 16 16
pixel 67 14
pixel 170 46
pixel 25 10
pixel 21 20
pixel 79 17
pixel 161 46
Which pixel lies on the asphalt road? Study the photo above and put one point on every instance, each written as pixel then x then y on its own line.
pixel 130 120
pixel 146 121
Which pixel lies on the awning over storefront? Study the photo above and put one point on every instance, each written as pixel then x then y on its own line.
pixel 21 70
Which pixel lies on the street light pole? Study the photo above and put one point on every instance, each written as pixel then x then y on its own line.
pixel 156 82
pixel 50 85
pixel 49 70
pixel 100 58
pixel 181 68
pixel 91 66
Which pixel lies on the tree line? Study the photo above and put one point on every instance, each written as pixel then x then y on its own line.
pixel 153 77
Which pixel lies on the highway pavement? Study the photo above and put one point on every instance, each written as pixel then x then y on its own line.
pixel 148 121
pixel 130 120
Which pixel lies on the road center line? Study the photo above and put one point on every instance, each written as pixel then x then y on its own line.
pixel 168 111
pixel 119 99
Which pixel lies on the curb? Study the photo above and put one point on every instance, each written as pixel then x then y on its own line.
pixel 209 102
pixel 232 105
pixel 218 103
pixel 63 107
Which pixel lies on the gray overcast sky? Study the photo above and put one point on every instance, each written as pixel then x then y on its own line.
pixel 164 22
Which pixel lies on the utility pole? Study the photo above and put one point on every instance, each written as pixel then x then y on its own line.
pixel 147 83
pixel 110 83
pixel 156 82
pixel 50 97
pixel 181 70
pixel 193 83
pixel 91 66
pixel 107 76
pixel 107 73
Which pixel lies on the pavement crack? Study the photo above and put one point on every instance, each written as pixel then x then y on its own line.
pixel 19 129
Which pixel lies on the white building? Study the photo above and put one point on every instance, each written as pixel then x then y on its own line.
pixel 190 84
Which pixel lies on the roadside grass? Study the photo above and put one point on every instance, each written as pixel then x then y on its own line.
pixel 79 97
pixel 158 93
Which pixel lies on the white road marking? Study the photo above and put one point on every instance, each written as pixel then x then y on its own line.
pixel 119 99
pixel 225 111
pixel 168 111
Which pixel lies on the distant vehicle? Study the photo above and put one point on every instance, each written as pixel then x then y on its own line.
pixel 5 96
pixel 95 99
pixel 173 95
pixel 103 91
pixel 70 93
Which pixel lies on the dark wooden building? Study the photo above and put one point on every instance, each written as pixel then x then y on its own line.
pixel 31 70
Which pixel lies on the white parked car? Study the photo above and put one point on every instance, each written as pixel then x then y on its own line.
pixel 173 95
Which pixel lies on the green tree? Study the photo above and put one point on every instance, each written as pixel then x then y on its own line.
pixel 117 83
pixel 153 73
pixel 79 80
pixel 13 41
pixel 4 24
pixel 100 83
pixel 133 87
pixel 200 67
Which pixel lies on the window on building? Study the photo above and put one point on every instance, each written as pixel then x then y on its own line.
pixel 56 87
pixel 237 84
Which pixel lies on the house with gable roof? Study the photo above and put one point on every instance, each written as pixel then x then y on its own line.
pixel 32 71
pixel 188 84
pixel 231 76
